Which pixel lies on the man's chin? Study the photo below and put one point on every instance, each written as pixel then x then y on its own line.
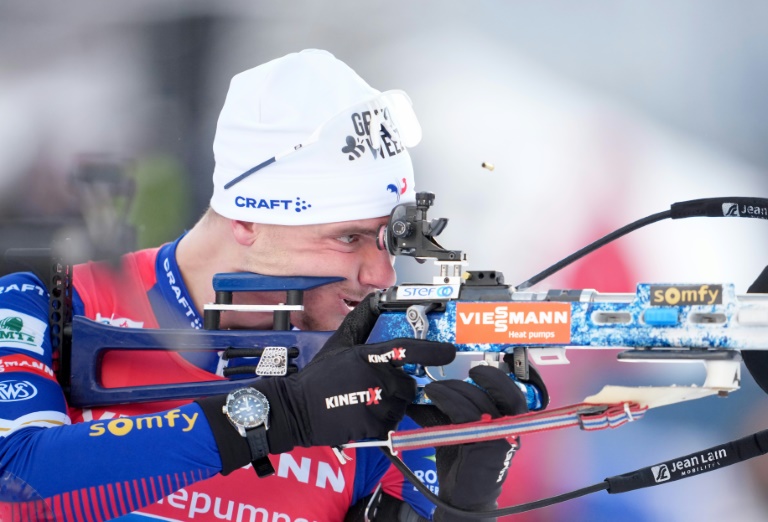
pixel 324 314
pixel 326 323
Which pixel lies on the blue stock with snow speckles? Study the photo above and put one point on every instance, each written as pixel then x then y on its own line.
pixel 672 326
pixel 585 332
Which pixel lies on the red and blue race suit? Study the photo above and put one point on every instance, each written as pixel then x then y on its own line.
pixel 151 461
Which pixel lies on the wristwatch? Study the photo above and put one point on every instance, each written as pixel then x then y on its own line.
pixel 248 411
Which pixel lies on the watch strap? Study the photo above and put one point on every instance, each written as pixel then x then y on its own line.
pixel 257 442
pixel 263 467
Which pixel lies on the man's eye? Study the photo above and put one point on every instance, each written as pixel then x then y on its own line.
pixel 347 239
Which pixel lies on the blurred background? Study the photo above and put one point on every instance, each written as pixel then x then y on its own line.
pixel 593 113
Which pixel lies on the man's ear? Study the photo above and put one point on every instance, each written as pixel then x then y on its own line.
pixel 244 232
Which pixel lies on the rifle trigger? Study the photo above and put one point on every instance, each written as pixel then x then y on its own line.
pixel 520 363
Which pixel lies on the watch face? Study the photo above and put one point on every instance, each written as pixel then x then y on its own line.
pixel 248 408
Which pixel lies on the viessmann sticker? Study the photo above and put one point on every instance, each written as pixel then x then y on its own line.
pixel 513 323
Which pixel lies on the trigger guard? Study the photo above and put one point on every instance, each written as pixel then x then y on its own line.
pixel 464 361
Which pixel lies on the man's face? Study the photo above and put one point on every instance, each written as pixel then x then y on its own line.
pixel 346 249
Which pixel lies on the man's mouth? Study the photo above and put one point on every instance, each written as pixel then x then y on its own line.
pixel 351 303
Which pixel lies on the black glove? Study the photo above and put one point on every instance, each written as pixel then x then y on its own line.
pixel 347 392
pixel 471 475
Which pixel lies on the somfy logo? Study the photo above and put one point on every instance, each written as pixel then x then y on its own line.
pixel 672 295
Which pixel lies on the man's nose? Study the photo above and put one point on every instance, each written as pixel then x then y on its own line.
pixel 377 270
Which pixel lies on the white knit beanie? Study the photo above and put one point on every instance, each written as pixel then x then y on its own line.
pixel 304 140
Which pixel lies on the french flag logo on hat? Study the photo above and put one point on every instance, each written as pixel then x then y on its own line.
pixel 398 188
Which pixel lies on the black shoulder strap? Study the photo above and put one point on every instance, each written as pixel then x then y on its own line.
pixel 756 361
